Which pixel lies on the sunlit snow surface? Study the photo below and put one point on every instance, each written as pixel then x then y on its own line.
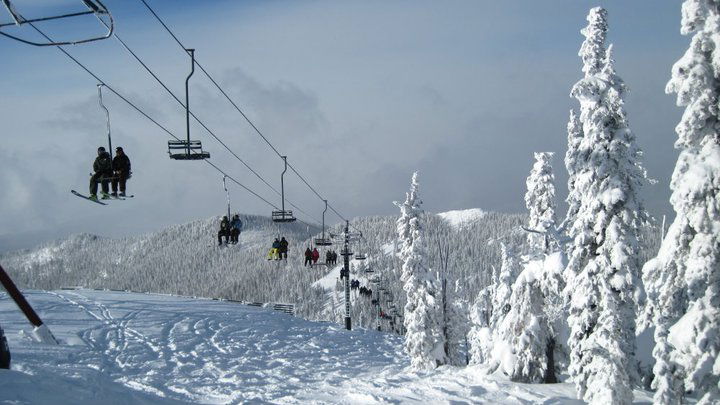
pixel 127 348
pixel 460 218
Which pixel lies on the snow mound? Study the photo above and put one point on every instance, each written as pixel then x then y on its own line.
pixel 461 218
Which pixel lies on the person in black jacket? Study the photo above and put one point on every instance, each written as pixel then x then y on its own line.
pixel 103 171
pixel 283 248
pixel 224 230
pixel 121 167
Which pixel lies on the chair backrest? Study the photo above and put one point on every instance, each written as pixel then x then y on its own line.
pixel 178 149
pixel 194 145
pixel 283 216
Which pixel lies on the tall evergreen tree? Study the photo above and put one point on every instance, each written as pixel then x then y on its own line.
pixel 575 135
pixel 683 281
pixel 540 202
pixel 604 256
pixel 424 339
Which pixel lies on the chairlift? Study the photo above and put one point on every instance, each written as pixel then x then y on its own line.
pixel 95 7
pixel 187 149
pixel 360 256
pixel 323 241
pixel 283 215
pixel 369 270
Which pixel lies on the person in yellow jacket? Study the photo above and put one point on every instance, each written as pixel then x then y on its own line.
pixel 274 253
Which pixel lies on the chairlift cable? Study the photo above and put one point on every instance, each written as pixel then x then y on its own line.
pixel 150 71
pixel 257 130
pixel 144 114
pixel 182 104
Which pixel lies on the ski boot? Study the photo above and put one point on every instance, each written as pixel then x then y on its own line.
pixel 93 197
pixel 122 194
pixel 104 196
pixel 114 195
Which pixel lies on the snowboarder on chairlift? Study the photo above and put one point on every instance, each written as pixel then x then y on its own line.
pixel 275 250
pixel 224 230
pixel 121 169
pixel 235 228
pixel 308 257
pixel 315 255
pixel 283 248
pixel 103 171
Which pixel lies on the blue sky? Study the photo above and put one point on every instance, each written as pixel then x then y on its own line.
pixel 357 94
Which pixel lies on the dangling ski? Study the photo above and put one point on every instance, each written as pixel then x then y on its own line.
pixel 87 198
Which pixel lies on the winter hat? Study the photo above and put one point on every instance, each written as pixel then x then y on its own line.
pixel 101 149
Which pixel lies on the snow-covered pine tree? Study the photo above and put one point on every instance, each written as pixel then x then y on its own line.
pixel 604 256
pixel 575 135
pixel 509 271
pixel 683 281
pixel 488 312
pixel 541 277
pixel 524 330
pixel 456 322
pixel 424 340
pixel 480 334
pixel 540 202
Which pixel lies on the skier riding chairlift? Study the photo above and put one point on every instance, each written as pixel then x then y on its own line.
pixel 102 168
pixel 235 229
pixel 122 172
pixel 224 230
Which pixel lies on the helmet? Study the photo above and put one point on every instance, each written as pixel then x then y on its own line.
pixel 119 149
pixel 101 149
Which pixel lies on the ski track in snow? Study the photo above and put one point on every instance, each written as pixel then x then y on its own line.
pixel 163 349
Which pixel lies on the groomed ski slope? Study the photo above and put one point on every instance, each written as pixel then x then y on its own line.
pixel 128 348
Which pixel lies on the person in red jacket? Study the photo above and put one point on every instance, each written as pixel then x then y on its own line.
pixel 315 255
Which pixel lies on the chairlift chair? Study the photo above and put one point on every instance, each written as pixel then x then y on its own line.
pixel 187 149
pixel 369 270
pixel 95 7
pixel 283 215
pixel 323 241
pixel 360 256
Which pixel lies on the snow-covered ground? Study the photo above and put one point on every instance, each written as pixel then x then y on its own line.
pixel 128 348
pixel 461 218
